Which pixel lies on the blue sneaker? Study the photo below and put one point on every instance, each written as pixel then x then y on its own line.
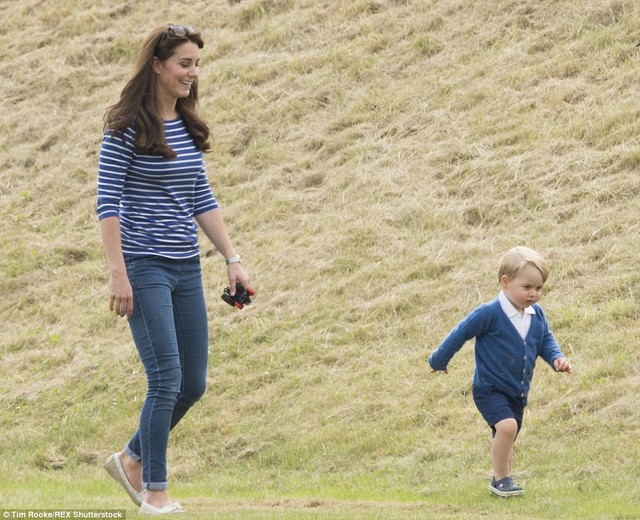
pixel 505 487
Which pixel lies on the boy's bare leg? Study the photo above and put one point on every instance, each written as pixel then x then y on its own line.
pixel 502 448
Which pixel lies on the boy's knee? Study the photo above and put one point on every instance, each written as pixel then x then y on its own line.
pixel 507 427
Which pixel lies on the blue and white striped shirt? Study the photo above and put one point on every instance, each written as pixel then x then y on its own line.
pixel 155 199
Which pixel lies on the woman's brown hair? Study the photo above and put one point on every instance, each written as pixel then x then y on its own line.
pixel 137 106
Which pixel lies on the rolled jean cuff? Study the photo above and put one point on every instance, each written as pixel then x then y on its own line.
pixel 155 486
pixel 134 456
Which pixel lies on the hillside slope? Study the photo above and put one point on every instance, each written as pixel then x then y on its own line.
pixel 374 158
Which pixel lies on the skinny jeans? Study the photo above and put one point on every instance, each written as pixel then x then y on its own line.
pixel 170 330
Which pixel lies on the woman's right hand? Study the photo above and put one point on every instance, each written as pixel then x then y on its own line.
pixel 120 295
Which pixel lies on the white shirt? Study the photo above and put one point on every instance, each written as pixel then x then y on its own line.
pixel 520 321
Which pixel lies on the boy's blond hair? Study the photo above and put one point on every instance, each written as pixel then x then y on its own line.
pixel 515 259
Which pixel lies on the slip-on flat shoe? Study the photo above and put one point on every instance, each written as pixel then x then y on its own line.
pixel 146 509
pixel 114 468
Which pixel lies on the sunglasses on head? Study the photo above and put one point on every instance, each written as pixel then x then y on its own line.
pixel 177 30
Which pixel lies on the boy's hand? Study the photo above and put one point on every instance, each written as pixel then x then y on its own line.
pixel 562 365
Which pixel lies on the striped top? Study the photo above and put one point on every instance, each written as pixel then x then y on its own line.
pixel 155 199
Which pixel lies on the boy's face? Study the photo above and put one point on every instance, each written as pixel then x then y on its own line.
pixel 525 288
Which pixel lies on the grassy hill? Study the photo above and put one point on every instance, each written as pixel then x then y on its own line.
pixel 374 158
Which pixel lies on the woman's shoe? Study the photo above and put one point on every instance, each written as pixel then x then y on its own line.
pixel 114 468
pixel 146 509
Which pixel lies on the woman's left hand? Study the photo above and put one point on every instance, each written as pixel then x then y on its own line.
pixel 237 274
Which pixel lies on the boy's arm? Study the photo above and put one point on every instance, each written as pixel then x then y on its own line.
pixel 550 350
pixel 471 326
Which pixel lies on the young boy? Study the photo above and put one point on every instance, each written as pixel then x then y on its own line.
pixel 511 331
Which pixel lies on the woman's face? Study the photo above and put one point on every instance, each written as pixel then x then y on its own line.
pixel 176 74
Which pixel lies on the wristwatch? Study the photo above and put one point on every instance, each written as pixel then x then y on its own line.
pixel 234 260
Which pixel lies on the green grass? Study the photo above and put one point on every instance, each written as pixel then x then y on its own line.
pixel 361 497
pixel 374 159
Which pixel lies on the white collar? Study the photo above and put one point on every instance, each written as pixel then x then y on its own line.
pixel 509 309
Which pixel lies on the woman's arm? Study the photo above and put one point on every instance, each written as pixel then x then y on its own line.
pixel 120 291
pixel 213 227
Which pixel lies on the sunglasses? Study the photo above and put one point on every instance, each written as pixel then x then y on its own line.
pixel 177 30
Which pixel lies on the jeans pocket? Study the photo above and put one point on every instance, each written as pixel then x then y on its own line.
pixel 129 263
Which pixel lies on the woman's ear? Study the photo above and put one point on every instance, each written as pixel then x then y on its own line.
pixel 155 65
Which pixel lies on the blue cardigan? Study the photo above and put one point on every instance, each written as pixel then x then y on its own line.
pixel 503 359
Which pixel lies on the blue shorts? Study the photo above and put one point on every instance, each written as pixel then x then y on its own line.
pixel 496 406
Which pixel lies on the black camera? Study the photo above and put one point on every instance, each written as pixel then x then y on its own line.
pixel 241 298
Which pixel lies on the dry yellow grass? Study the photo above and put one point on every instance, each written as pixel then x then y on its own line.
pixel 374 158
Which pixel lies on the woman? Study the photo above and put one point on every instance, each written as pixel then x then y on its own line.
pixel 153 194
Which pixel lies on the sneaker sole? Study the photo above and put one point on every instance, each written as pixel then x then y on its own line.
pixel 505 494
